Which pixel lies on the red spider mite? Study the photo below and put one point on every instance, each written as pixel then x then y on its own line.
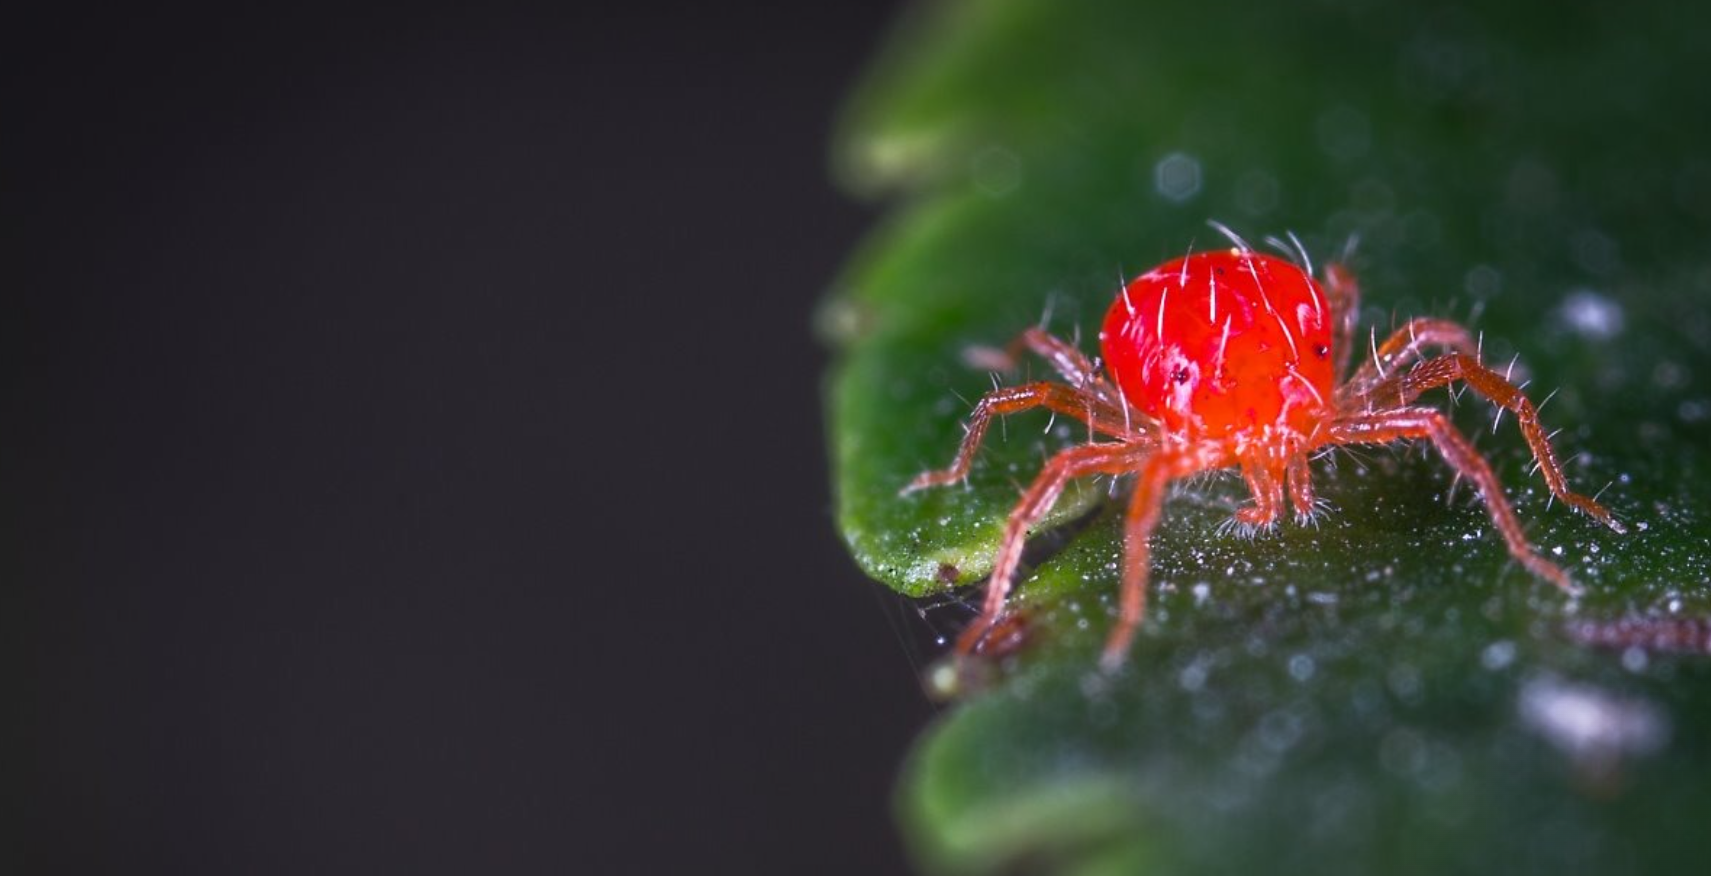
pixel 1238 359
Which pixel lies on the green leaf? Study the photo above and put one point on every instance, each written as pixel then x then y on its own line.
pixel 1387 692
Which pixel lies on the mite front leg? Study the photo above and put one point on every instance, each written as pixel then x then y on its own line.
pixel 1266 487
pixel 1301 488
pixel 1387 426
pixel 1403 390
pixel 1145 507
pixel 1079 461
pixel 1012 399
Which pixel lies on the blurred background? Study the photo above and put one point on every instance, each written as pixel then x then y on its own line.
pixel 412 457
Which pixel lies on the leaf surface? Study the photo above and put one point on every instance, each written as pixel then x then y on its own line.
pixel 1387 691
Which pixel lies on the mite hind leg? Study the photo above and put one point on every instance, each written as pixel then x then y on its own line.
pixel 1063 356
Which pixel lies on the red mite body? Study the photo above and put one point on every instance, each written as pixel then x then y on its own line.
pixel 1233 358
pixel 1224 345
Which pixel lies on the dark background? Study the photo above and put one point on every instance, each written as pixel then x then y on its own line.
pixel 413 457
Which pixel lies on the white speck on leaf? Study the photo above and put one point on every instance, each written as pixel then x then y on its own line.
pixel 1593 726
pixel 1591 315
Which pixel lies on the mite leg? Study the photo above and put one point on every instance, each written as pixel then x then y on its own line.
pixel 1301 488
pixel 1387 426
pixel 1060 354
pixel 1145 508
pixel 1065 359
pixel 1344 295
pixel 1078 461
pixel 1011 399
pixel 1402 390
pixel 1267 489
pixel 1404 347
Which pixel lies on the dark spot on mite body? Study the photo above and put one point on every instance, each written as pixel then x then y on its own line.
pixel 1321 350
pixel 1180 375
pixel 948 573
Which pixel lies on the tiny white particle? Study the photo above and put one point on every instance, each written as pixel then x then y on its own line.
pixel 1497 655
pixel 1591 315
